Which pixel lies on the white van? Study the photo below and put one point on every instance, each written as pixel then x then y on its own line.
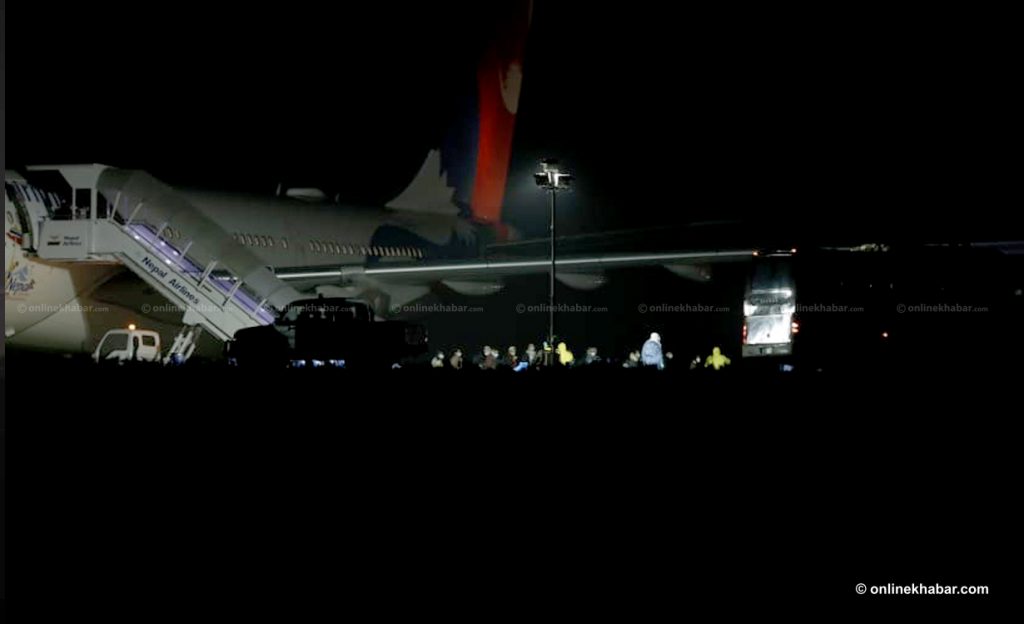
pixel 128 345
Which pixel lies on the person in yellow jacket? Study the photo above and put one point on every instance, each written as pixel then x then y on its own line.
pixel 716 359
pixel 565 357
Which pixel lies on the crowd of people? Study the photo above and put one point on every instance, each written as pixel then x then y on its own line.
pixel 651 355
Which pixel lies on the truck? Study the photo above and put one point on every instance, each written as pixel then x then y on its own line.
pixel 328 332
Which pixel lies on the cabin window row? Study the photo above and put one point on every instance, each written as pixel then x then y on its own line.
pixel 260 240
pixel 333 248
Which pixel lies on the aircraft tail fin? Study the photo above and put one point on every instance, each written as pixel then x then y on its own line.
pixel 466 175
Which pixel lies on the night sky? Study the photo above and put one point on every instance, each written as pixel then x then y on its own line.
pixel 895 122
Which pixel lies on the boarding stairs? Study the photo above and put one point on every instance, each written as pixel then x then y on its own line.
pixel 153 230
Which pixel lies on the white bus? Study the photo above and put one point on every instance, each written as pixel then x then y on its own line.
pixel 769 305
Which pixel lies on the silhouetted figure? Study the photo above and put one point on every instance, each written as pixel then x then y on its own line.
pixel 511 357
pixel 531 356
pixel 489 361
pixel 456 360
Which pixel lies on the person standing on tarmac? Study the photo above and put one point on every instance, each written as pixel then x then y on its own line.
pixel 565 357
pixel 717 360
pixel 651 354
pixel 456 359
pixel 490 359
pixel 532 357
pixel 511 357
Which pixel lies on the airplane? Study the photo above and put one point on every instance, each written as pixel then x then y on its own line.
pixel 61 296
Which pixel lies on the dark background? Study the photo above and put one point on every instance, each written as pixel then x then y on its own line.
pixel 893 119
pixel 812 121
pixel 843 125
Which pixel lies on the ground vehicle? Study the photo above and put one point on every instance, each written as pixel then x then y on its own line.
pixel 328 332
pixel 128 345
pixel 768 307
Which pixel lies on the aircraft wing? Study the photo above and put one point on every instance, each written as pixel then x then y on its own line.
pixel 692 264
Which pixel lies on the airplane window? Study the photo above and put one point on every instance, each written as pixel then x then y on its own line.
pixel 271 239
pixel 284 242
